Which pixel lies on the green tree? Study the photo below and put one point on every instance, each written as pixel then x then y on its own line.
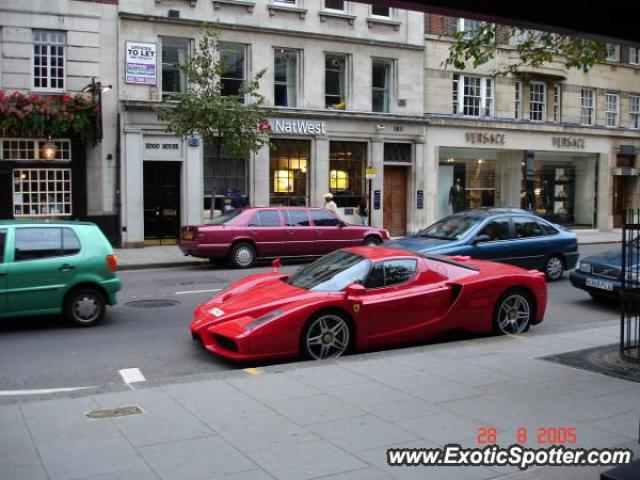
pixel 231 121
pixel 536 49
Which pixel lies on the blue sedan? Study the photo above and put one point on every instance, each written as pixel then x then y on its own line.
pixel 600 275
pixel 508 235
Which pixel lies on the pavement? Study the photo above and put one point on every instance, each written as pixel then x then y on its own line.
pixel 171 256
pixel 331 420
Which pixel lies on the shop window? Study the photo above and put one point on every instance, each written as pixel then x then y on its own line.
pixel 234 72
pixel 285 78
pixel 225 177
pixel 335 81
pixel 612 107
pixel 23 149
pixel 174 53
pixel 397 152
pixel 588 106
pixel 537 101
pixel 336 5
pixel 634 110
pixel 347 163
pixel 48 60
pixel 557 100
pixel 381 74
pixel 288 172
pixel 473 96
pixel 41 192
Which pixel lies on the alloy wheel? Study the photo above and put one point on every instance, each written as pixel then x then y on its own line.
pixel 327 337
pixel 514 314
pixel 554 268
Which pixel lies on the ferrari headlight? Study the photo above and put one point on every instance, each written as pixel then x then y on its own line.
pixel 585 267
pixel 264 319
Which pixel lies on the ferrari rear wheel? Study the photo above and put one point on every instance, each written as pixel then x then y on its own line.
pixel 327 335
pixel 513 314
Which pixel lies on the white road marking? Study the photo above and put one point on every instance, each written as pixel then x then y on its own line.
pixel 198 291
pixel 132 375
pixel 39 391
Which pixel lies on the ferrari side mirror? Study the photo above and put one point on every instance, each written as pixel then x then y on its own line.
pixel 355 289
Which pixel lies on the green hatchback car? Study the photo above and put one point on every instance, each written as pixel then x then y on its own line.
pixel 52 267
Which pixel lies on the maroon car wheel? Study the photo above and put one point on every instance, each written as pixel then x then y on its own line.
pixel 243 255
pixel 371 241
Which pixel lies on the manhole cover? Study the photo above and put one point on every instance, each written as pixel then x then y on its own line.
pixel 152 303
pixel 605 360
pixel 115 412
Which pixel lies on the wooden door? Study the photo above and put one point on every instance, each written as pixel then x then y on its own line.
pixel 395 200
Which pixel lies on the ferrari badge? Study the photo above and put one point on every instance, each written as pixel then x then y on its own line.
pixel 356 307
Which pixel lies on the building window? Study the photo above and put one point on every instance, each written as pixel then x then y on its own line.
pixel 41 192
pixel 612 107
pixel 588 106
pixel 288 172
pixel 634 110
pixel 234 72
pixel 335 81
pixel 16 149
pixel 286 2
pixel 613 52
pixel 224 177
pixel 557 102
pixel 347 162
pixel 397 152
pixel 380 11
pixel 476 98
pixel 174 53
pixel 337 5
pixel 381 84
pixel 518 101
pixel 48 60
pixel 537 101
pixel 634 55
pixel 285 85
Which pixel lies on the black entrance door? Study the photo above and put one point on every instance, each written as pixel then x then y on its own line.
pixel 161 203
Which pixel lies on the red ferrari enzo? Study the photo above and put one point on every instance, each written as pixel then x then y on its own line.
pixel 361 298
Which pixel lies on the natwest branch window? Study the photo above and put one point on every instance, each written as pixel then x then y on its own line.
pixel 48 60
pixel 234 76
pixel 472 96
pixel 288 172
pixel 285 78
pixel 225 177
pixel 347 162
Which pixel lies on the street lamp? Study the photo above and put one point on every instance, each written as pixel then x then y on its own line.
pixel 96 89
pixel 50 149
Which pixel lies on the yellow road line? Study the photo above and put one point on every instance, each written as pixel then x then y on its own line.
pixel 252 371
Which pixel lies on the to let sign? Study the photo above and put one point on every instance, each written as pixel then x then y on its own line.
pixel 140 63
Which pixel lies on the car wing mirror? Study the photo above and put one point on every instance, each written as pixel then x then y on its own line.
pixel 355 289
pixel 341 224
pixel 483 237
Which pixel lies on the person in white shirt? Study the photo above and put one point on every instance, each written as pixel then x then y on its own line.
pixel 330 205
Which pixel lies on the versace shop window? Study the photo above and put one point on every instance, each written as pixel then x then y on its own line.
pixel 561 189
pixel 225 177
pixel 466 183
pixel 288 172
pixel 347 163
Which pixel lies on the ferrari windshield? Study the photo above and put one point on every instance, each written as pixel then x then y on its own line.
pixel 450 228
pixel 331 273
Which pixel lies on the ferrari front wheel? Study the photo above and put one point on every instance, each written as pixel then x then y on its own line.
pixel 513 313
pixel 327 335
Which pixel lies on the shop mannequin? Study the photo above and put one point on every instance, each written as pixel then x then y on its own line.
pixel 456 196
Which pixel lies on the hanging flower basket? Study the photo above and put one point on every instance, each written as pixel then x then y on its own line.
pixel 38 116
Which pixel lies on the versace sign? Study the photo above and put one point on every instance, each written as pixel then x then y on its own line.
pixel 568 142
pixel 485 138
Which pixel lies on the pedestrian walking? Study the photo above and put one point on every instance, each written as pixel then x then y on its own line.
pixel 363 210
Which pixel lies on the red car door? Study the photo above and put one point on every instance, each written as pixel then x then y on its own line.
pixel 400 307
pixel 330 233
pixel 299 234
pixel 265 228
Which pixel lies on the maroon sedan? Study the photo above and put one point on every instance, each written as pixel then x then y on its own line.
pixel 243 235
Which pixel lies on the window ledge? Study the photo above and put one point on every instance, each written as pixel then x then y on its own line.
pixel 273 8
pixel 371 21
pixel 325 14
pixel 191 2
pixel 248 4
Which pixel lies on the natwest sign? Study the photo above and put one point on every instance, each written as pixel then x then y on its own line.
pixel 298 127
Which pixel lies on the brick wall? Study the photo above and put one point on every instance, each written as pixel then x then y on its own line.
pixel 440 25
